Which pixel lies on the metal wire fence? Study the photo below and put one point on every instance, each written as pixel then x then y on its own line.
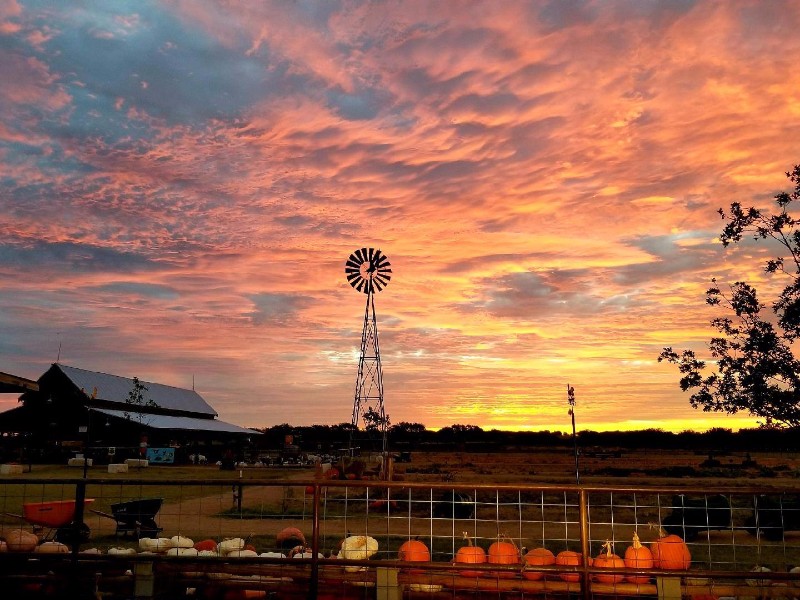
pixel 142 538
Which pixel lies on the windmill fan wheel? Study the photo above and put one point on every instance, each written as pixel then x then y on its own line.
pixel 368 270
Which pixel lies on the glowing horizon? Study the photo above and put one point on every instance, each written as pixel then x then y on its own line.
pixel 183 182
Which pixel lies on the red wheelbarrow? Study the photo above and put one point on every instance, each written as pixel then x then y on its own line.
pixel 58 518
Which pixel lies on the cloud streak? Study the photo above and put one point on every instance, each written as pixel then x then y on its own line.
pixel 182 183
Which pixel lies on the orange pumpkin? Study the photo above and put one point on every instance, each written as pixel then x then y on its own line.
pixel 414 551
pixel 206 545
pixel 538 557
pixel 244 594
pixel 608 560
pixel 670 552
pixel 638 557
pixel 469 555
pixel 568 558
pixel 503 552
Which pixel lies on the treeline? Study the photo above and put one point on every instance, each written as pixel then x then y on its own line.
pixel 415 436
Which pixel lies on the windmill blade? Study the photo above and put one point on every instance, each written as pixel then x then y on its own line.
pixel 371 253
pixel 354 279
pixel 360 285
pixel 384 279
pixel 377 283
pixel 362 255
pixel 352 264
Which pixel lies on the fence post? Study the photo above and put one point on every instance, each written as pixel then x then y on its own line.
pixel 143 580
pixel 313 584
pixel 586 578
pixel 669 588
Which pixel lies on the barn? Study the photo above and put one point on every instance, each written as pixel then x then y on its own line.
pixel 70 411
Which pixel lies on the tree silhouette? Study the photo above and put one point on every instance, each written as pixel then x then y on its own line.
pixel 137 399
pixel 756 369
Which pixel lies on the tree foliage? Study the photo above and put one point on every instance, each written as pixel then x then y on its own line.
pixel 138 399
pixel 756 367
pixel 374 420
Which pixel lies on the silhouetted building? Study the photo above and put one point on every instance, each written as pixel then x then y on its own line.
pixel 69 409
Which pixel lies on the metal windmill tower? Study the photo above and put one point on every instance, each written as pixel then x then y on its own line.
pixel 368 271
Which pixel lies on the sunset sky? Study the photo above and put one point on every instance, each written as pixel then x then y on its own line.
pixel 181 183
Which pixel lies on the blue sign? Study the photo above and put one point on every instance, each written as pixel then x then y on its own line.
pixel 161 456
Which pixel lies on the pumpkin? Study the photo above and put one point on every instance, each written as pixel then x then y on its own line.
pixel 229 545
pixel 670 552
pixel 503 552
pixel 19 540
pixel 178 541
pixel 241 554
pixel 207 553
pixel 608 560
pixel 154 544
pixel 303 552
pixel 357 547
pixel 414 551
pixel 244 594
pixel 51 548
pixel 182 551
pixel 538 557
pixel 120 551
pixel 759 582
pixel 471 555
pixel 289 537
pixel 208 544
pixel 568 558
pixel 431 588
pixel 272 555
pixel 638 557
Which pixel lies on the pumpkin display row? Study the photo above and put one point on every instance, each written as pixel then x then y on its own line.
pixel 667 552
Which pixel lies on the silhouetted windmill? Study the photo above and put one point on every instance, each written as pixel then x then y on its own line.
pixel 368 271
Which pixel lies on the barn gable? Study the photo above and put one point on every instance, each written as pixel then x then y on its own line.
pixel 112 391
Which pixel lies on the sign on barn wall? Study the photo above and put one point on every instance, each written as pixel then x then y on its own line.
pixel 161 456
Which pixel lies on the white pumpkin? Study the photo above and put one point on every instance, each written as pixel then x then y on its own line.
pixel 91 551
pixel 52 548
pixel 308 555
pixel 759 582
pixel 182 551
pixel 178 541
pixel 272 555
pixel 19 540
pixel 242 554
pixel 229 545
pixel 425 587
pixel 357 547
pixel 121 551
pixel 155 544
pixel 206 553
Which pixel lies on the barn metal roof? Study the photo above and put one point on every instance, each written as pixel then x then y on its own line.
pixel 169 422
pixel 11 384
pixel 114 388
